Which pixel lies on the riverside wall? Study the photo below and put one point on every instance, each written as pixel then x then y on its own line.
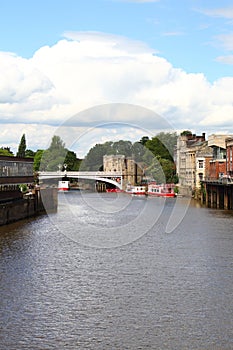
pixel 217 195
pixel 41 201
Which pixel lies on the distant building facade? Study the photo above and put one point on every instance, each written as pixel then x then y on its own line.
pixel 218 162
pixel 132 172
pixel 192 161
pixel 229 156
pixel 14 171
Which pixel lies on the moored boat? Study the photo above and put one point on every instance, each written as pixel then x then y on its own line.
pixel 163 190
pixel 136 190
pixel 63 185
pixel 115 190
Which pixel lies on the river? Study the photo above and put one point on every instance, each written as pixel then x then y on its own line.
pixel 111 271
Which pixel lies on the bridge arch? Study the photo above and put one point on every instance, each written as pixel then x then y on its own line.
pixel 97 176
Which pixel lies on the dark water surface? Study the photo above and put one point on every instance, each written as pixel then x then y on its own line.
pixel 158 290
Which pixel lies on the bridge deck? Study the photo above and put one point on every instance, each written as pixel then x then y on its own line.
pixel 104 176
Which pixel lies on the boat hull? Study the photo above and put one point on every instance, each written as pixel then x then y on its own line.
pixel 63 186
pixel 163 190
pixel 114 190
pixel 136 190
pixel 170 195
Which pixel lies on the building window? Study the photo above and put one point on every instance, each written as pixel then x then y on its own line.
pixel 201 164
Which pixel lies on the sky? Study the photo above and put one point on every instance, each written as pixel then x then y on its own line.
pixel 98 70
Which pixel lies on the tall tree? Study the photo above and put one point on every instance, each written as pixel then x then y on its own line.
pixel 22 147
pixel 158 148
pixel 71 161
pixel 160 157
pixel 54 156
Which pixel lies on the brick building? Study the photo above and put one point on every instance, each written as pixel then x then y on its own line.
pixel 218 163
pixel 229 156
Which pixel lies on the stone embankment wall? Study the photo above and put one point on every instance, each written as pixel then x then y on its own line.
pixel 41 201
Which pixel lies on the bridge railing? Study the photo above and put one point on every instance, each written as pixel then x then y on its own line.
pixel 115 178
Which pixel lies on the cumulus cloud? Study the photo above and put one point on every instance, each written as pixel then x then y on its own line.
pixel 87 69
pixel 20 80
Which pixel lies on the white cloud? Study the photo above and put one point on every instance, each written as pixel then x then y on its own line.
pixel 37 136
pixel 85 70
pixel 20 80
pixel 224 12
pixel 226 41
pixel 225 59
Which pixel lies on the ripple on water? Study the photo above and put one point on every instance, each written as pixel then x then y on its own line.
pixel 161 291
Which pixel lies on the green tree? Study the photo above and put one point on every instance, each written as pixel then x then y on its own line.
pixel 94 158
pixel 29 153
pixel 144 140
pixel 159 157
pixel 162 170
pixel 54 156
pixel 186 133
pixel 57 144
pixel 122 147
pixel 139 151
pixel 37 159
pixel 158 148
pixel 71 161
pixel 5 151
pixel 22 147
pixel 169 140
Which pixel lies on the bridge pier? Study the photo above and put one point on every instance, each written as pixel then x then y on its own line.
pixel 100 186
pixel 218 195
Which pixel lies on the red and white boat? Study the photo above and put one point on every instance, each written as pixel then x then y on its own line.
pixel 163 190
pixel 136 190
pixel 63 185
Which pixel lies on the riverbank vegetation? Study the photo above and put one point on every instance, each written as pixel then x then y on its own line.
pixel 154 155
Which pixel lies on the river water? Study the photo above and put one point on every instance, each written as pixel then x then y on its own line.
pixel 108 271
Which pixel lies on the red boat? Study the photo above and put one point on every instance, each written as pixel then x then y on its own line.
pixel 163 190
pixel 63 185
pixel 115 190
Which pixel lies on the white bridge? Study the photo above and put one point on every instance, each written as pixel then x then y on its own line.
pixel 115 178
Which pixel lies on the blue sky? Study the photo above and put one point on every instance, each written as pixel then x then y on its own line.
pixel 184 32
pixel 190 41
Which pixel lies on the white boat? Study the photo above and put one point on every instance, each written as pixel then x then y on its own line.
pixel 63 185
pixel 163 190
pixel 136 190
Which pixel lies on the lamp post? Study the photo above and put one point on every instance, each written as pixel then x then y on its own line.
pixel 65 166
